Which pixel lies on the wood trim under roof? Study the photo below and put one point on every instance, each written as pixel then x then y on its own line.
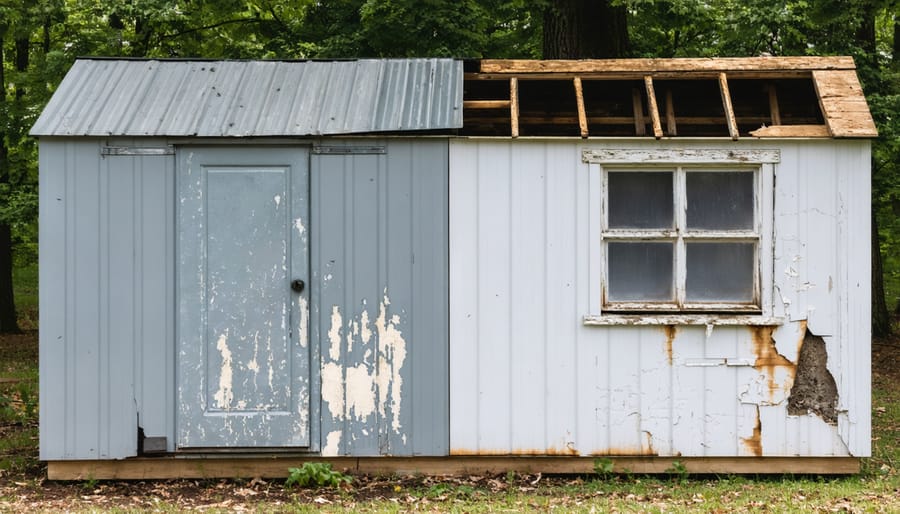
pixel 820 97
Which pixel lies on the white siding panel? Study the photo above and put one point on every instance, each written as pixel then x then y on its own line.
pixel 526 374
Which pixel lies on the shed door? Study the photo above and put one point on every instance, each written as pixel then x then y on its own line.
pixel 243 356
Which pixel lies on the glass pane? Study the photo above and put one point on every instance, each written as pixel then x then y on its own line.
pixel 640 199
pixel 720 200
pixel 639 272
pixel 720 272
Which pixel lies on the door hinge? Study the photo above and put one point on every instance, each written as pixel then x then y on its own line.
pixel 137 150
pixel 348 150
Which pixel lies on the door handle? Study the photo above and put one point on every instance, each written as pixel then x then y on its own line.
pixel 297 285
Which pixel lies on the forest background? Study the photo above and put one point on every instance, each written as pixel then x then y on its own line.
pixel 40 39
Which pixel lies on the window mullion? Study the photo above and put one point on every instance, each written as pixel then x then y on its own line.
pixel 680 198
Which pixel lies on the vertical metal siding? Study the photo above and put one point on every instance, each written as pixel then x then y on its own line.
pixel 379 296
pixel 528 377
pixel 106 275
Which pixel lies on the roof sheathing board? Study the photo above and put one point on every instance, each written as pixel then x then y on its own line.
pixel 833 91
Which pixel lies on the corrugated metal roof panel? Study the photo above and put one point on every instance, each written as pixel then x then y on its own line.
pixel 253 98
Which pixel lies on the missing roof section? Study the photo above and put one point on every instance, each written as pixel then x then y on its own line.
pixel 735 98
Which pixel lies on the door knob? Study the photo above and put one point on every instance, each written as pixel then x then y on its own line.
pixel 297 285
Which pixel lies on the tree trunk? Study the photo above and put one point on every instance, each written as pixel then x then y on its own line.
pixel 8 320
pixel 581 29
pixel 881 320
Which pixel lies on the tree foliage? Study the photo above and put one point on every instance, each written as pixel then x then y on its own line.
pixel 39 39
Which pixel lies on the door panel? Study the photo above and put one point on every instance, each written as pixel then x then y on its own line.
pixel 243 359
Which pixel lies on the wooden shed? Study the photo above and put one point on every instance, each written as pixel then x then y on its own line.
pixel 445 266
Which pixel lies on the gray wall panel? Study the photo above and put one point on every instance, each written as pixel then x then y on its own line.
pixel 102 309
pixel 379 257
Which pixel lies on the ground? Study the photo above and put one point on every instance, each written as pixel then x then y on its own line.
pixel 23 486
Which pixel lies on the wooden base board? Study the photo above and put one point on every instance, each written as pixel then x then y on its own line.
pixel 276 467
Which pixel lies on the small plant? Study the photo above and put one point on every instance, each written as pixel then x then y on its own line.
pixel 679 470
pixel 316 474
pixel 603 467
pixel 510 478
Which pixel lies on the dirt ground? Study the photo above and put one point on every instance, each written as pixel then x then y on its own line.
pixel 25 488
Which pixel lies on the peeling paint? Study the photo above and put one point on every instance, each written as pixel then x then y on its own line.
pixel 753 444
pixel 360 386
pixel 334 334
pixel 365 332
pixel 225 394
pixel 777 372
pixel 671 332
pixel 333 389
pixel 391 357
pixel 304 322
pixel 332 444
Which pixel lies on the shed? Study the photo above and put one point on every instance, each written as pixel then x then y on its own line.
pixel 445 266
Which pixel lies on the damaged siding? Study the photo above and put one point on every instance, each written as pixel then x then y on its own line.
pixel 529 378
pixel 107 243
pixel 379 297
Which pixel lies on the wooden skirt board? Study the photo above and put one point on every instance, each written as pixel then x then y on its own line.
pixel 276 467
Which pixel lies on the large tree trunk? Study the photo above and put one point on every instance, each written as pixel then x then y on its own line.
pixel 580 29
pixel 8 321
pixel 881 320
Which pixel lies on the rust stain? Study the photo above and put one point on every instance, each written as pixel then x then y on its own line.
pixel 768 360
pixel 753 444
pixel 670 331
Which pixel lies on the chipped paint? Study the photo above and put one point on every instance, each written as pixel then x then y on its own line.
pixel 304 322
pixel 333 389
pixel 777 370
pixel 277 201
pixel 753 444
pixel 332 444
pixel 364 331
pixel 670 331
pixel 225 394
pixel 360 384
pixel 391 357
pixel 334 334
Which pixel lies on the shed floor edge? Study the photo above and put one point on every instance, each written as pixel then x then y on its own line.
pixel 276 467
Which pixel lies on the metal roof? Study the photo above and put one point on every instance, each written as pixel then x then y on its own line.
pixel 111 97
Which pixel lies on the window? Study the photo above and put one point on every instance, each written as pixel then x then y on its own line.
pixel 691 236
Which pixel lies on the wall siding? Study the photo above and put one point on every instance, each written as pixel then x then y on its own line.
pixel 106 275
pixel 379 298
pixel 528 377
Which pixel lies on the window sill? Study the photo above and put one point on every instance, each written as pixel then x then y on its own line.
pixel 605 320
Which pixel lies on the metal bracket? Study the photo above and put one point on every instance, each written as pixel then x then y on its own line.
pixel 349 150
pixel 137 150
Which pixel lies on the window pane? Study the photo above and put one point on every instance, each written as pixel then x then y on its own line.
pixel 720 200
pixel 639 272
pixel 640 199
pixel 720 272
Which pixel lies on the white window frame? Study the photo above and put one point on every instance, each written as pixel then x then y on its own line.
pixel 680 162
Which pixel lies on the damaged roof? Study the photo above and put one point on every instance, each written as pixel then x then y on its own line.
pixel 818 97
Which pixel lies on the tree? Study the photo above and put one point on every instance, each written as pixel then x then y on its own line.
pixel 578 29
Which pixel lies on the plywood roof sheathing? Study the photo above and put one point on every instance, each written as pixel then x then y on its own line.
pixel 792 131
pixel 579 100
pixel 644 66
pixel 843 104
pixel 652 107
pixel 726 104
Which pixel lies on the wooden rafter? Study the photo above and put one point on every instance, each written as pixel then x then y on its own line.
pixel 486 104
pixel 652 107
pixel 638 108
pixel 514 106
pixel 671 126
pixel 774 111
pixel 726 104
pixel 579 101
pixel 644 66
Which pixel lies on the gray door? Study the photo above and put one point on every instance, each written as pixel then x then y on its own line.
pixel 243 356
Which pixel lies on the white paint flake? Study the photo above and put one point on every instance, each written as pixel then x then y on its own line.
pixel 391 356
pixel 360 387
pixel 304 322
pixel 225 393
pixel 277 201
pixel 298 224
pixel 333 389
pixel 364 331
pixel 334 334
pixel 332 444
